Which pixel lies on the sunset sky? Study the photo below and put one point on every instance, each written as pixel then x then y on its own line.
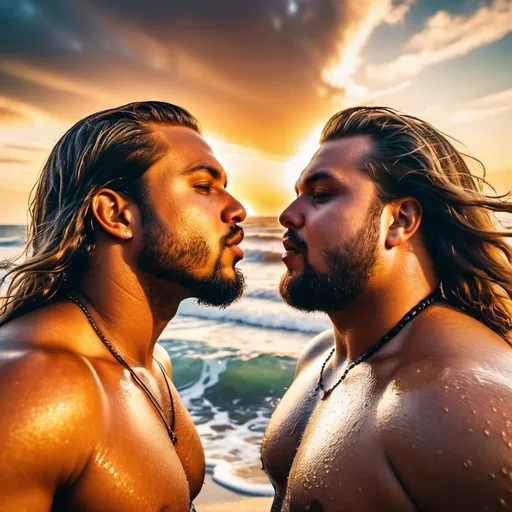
pixel 262 76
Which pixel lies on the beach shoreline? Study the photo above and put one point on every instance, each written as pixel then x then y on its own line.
pixel 215 498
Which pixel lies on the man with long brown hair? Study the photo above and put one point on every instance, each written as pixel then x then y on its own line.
pixel 406 404
pixel 130 216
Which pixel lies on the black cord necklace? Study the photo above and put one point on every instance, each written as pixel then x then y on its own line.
pixel 169 426
pixel 375 348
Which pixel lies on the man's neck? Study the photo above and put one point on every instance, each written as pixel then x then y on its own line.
pixel 131 314
pixel 373 314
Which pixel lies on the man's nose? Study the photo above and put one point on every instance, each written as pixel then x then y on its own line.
pixel 292 217
pixel 234 212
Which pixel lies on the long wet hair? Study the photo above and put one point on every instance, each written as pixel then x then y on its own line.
pixel 112 148
pixel 467 244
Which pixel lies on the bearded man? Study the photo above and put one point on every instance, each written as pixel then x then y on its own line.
pixel 130 216
pixel 405 405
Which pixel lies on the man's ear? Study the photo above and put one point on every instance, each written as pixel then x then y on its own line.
pixel 114 213
pixel 405 219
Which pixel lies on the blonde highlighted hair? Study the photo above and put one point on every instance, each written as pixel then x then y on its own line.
pixel 469 249
pixel 112 148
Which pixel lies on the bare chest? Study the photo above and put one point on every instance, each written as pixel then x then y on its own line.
pixel 135 466
pixel 325 455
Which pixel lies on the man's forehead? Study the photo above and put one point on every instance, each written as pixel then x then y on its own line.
pixel 184 149
pixel 181 139
pixel 339 156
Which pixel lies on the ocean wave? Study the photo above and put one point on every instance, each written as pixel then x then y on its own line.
pixel 272 295
pixel 230 401
pixel 224 475
pixel 209 337
pixel 262 256
pixel 12 241
pixel 262 313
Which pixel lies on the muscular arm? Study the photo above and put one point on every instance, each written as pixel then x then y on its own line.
pixel 49 421
pixel 448 437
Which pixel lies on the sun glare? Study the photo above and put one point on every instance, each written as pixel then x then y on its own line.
pixel 249 208
pixel 299 162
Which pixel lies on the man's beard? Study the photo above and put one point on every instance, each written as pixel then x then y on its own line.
pixel 173 259
pixel 349 270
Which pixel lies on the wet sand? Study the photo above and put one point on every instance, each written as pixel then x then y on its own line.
pixel 215 498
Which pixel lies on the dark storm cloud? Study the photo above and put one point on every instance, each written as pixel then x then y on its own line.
pixel 248 69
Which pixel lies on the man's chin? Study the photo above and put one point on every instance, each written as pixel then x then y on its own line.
pixel 220 291
pixel 293 294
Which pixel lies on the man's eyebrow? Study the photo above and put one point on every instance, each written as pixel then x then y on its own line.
pixel 316 176
pixel 215 173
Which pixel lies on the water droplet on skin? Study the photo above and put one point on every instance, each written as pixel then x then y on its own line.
pixel 471 430
pixel 468 464
pixel 492 476
pixel 503 502
pixel 488 422
pixel 446 409
pixel 359 489
pixel 474 412
pixel 486 433
pixel 494 409
pixel 504 471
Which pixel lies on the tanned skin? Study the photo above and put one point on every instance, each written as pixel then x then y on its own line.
pixel 76 432
pixel 426 423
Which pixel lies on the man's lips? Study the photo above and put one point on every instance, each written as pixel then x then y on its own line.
pixel 290 246
pixel 233 242
pixel 238 252
pixel 294 250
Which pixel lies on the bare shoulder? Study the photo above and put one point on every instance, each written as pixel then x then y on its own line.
pixel 446 418
pixel 163 357
pixel 314 349
pixel 51 410
pixel 447 331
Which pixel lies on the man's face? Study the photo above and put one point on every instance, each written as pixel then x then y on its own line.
pixel 190 221
pixel 333 229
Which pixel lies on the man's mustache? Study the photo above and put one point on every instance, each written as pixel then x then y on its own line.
pixel 296 240
pixel 235 235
